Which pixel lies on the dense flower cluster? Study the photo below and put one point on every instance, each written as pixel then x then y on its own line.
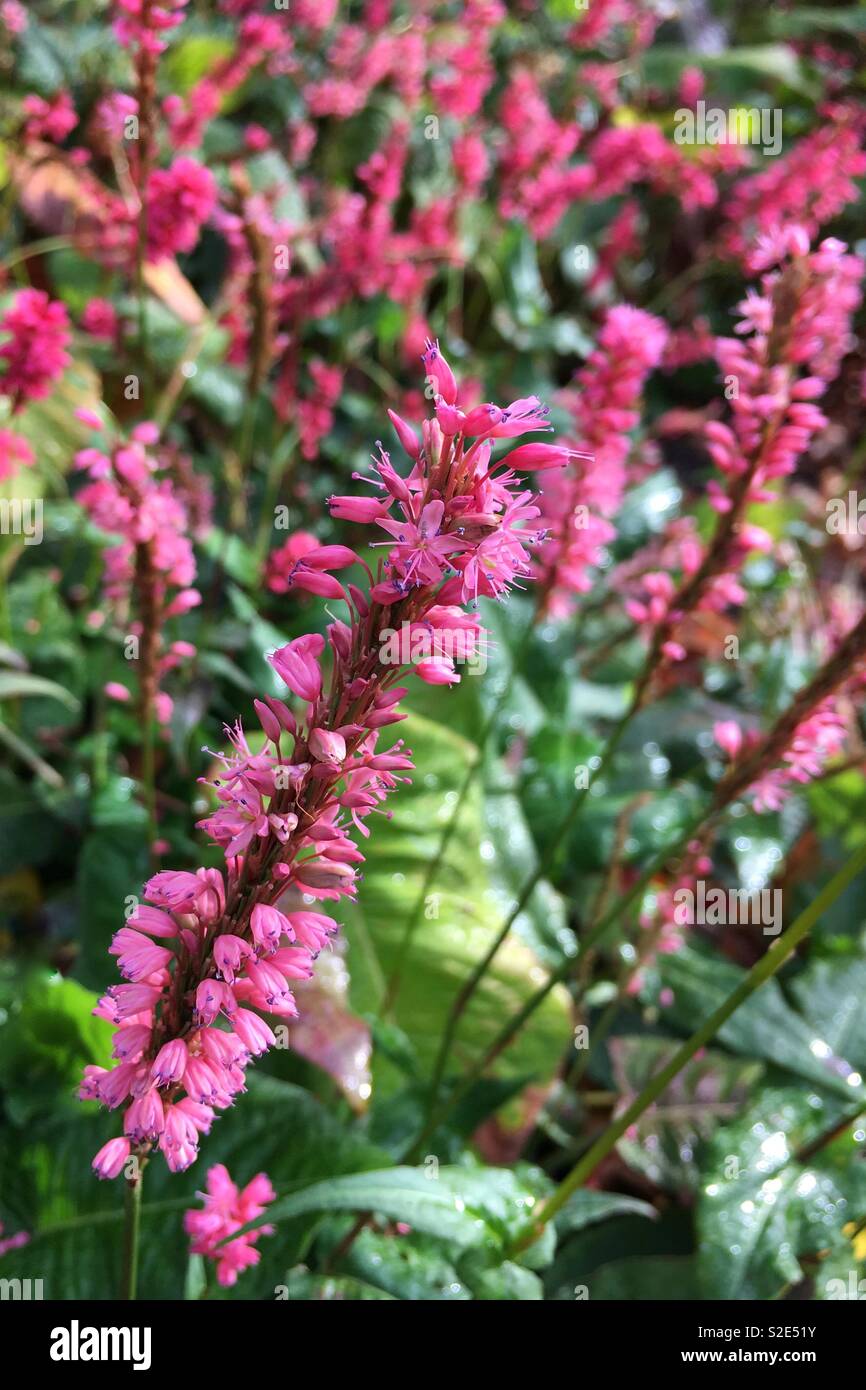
pixel 226 1209
pixel 208 952
pixel 33 354
pixel 793 335
pixel 605 405
pixel 180 199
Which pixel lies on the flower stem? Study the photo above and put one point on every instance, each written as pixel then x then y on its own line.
pixel 778 952
pixel 132 1228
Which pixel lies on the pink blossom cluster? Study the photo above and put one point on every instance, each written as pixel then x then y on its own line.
pixel 282 561
pixel 132 495
pixel 602 17
pixel 774 417
pixel 143 25
pixel 804 188
pixel 314 411
pixel 15 454
pixel 226 1209
pixel 605 404
pixel 33 354
pixel 208 953
pixel 817 740
pixel 261 39
pixel 793 335
pixel 49 119
pixel 180 199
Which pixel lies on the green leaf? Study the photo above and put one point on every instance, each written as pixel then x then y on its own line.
pixel 188 61
pixel 803 21
pixel 464 1206
pixel 775 1192
pixel 17 685
pixel 411 1266
pixel 45 1042
pixel 112 866
pixel 764 1026
pixel 586 1207
pixel 757 65
pixel 831 994
pixel 305 1287
pixel 461 917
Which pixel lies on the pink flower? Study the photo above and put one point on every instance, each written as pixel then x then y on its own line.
pixel 283 562
pixel 100 319
pixel 115 691
pixel 15 454
pixel 297 664
pixel 458 526
pixel 109 1162
pixel 35 354
pixel 180 199
pixel 49 120
pixel 21 1238
pixel 226 1210
pixel 729 736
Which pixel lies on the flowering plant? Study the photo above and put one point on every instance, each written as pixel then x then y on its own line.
pixel 464 788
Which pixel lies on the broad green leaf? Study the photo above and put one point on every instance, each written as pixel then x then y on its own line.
pixel 466 1207
pixel 459 920
pixel 409 1265
pixel 45 1042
